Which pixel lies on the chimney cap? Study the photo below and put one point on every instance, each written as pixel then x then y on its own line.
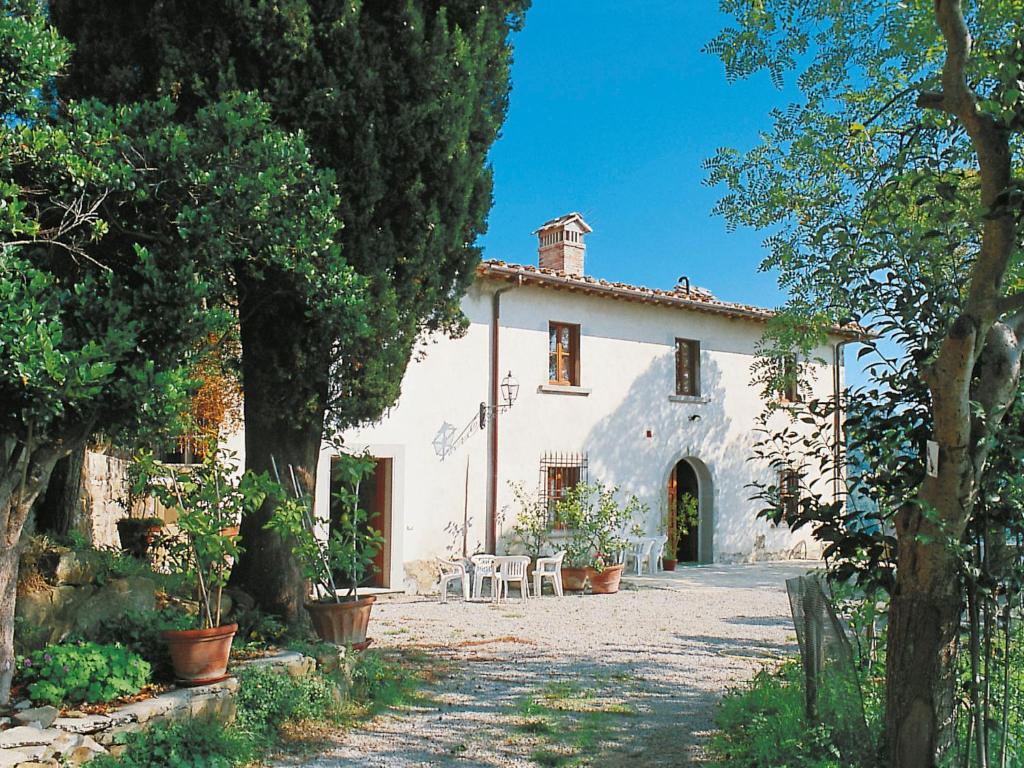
pixel 561 221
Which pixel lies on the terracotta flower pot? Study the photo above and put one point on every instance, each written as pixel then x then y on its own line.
pixel 607 581
pixel 574 579
pixel 200 656
pixel 670 565
pixel 343 623
pixel 137 536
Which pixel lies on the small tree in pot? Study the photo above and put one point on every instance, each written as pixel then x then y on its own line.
pixel 210 499
pixel 349 549
pixel 595 521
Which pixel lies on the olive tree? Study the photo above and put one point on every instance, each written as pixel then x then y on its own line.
pixel 900 161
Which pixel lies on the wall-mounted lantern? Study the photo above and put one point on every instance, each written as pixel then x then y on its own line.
pixel 509 393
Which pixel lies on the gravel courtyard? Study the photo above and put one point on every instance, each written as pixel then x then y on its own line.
pixel 601 680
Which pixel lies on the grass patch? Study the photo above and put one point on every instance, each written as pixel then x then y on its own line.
pixel 763 726
pixel 567 724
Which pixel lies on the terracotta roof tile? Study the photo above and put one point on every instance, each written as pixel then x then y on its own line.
pixel 698 299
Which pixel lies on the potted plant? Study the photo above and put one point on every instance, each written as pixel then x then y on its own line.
pixel 349 549
pixel 138 530
pixel 210 499
pixel 533 526
pixel 594 519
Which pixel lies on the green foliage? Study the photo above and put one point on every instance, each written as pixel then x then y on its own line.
pixel 377 681
pixel 268 699
pixel 764 726
pixel 255 627
pixel 209 499
pixel 140 633
pixel 595 521
pixel 533 524
pixel 82 672
pixel 414 197
pixel 352 544
pixel 194 743
pixel 686 514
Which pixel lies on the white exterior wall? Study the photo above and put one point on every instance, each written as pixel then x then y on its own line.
pixel 627 362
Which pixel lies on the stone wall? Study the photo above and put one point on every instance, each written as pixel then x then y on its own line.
pixel 69 599
pixel 41 737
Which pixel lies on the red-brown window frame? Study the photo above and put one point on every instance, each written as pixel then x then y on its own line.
pixel 573 354
pixel 688 353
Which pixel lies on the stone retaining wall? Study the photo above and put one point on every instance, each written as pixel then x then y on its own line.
pixel 51 742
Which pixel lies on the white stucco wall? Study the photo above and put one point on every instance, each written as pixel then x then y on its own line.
pixel 627 355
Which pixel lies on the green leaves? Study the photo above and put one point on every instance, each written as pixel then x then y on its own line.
pixel 210 500
pixel 351 542
pixel 596 523
pixel 82 672
pixel 31 53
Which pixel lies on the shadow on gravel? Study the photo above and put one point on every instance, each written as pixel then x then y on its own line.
pixel 500 706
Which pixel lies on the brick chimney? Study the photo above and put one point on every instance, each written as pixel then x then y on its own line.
pixel 560 244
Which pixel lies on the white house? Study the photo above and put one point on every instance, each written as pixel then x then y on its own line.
pixel 649 390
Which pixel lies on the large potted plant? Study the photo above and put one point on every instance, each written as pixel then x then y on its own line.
pixel 210 499
pixel 594 520
pixel 349 549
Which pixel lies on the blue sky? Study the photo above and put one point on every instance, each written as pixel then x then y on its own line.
pixel 613 109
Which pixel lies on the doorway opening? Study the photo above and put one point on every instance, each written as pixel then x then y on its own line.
pixel 375 498
pixel 685 507
pixel 690 503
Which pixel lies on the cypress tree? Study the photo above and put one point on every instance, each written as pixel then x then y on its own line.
pixel 402 99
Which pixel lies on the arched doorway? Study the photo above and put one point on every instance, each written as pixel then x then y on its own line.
pixel 691 478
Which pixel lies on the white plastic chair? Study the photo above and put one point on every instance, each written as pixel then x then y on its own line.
pixel 659 547
pixel 483 568
pixel 453 572
pixel 551 568
pixel 641 554
pixel 511 569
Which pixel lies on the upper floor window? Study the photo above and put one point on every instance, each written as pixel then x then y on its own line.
pixel 564 354
pixel 688 367
pixel 790 391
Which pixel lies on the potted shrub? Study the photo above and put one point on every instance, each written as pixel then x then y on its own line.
pixel 349 549
pixel 594 520
pixel 210 499
pixel 532 527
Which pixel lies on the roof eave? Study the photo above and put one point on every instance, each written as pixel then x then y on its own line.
pixel 508 272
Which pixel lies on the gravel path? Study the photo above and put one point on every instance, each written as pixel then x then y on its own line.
pixel 600 680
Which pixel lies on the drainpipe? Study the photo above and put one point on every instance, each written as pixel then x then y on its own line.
pixel 492 490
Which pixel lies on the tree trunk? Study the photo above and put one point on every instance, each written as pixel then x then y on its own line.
pixel 284 379
pixel 8 596
pixel 57 511
pixel 25 472
pixel 924 623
